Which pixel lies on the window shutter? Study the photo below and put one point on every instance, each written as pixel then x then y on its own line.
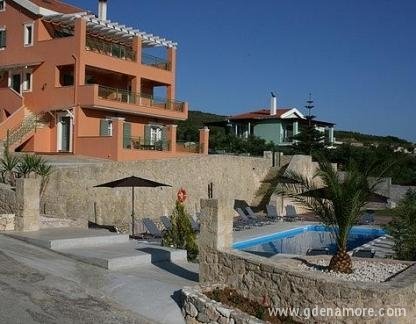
pixel 104 127
pixel 126 135
pixel 147 134
pixel 2 38
pixel 164 138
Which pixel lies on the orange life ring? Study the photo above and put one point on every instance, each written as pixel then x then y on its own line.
pixel 181 195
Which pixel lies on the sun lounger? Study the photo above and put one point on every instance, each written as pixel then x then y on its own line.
pixel 243 217
pixel 252 215
pixel 243 222
pixel 272 213
pixel 166 222
pixel 367 218
pixel 195 225
pixel 291 214
pixel 324 251
pixel 364 253
pixel 152 228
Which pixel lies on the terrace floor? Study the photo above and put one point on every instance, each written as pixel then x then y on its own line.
pixel 39 285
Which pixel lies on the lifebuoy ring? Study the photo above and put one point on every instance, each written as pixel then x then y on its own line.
pixel 181 195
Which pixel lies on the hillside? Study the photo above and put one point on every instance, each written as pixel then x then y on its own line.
pixel 348 137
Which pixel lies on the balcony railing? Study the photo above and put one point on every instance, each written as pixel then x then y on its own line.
pixel 140 143
pixel 126 96
pixel 190 147
pixel 110 49
pixel 156 62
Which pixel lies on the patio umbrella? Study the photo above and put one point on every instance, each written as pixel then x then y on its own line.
pixel 132 182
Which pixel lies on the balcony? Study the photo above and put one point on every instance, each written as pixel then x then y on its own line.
pixel 139 99
pixel 123 52
pixel 155 61
pixel 118 100
pixel 110 49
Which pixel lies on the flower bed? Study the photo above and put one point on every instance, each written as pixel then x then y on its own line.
pixel 220 304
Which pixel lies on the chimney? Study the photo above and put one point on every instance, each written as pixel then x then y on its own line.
pixel 273 104
pixel 102 9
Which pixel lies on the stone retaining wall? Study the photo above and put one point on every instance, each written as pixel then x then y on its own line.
pixel 7 222
pixel 7 199
pixel 282 283
pixel 198 308
pixel 70 192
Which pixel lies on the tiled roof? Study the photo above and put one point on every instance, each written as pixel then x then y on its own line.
pixel 57 6
pixel 260 114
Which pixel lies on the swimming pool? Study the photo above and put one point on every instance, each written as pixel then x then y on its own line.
pixel 300 239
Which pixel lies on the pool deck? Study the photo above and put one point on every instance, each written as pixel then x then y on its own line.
pixel 259 231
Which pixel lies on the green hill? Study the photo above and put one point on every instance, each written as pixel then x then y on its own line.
pixel 366 139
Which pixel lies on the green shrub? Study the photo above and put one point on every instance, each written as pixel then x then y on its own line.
pixel 403 227
pixel 181 235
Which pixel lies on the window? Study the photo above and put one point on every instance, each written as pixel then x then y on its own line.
pixel 155 135
pixel 2 5
pixel 27 81
pixel 2 38
pixel 106 127
pixel 28 31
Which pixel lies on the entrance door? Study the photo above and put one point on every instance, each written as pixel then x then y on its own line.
pixel 16 82
pixel 65 134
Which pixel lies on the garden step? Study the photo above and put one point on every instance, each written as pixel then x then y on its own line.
pixel 124 255
pixel 65 238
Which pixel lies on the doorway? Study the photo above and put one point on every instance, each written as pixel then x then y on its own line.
pixel 17 82
pixel 64 133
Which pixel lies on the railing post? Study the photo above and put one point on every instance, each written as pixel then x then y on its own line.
pixel 8 140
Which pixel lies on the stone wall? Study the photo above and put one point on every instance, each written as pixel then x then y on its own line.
pixel 7 222
pixel 397 192
pixel 281 283
pixel 71 193
pixel 198 308
pixel 300 164
pixel 7 199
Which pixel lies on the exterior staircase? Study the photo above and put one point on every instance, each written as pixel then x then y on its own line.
pixel 27 124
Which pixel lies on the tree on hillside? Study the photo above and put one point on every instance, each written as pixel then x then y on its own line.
pixel 338 204
pixel 309 138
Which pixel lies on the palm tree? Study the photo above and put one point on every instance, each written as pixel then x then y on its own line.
pixel 337 202
pixel 8 165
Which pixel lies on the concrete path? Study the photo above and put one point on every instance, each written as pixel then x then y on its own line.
pixel 89 293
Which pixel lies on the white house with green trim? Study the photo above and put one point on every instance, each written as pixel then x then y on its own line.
pixel 277 125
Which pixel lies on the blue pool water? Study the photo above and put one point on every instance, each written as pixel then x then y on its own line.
pixel 300 239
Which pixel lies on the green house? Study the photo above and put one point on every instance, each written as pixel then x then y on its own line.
pixel 277 125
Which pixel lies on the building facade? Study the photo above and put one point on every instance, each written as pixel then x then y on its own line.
pixel 72 82
pixel 276 125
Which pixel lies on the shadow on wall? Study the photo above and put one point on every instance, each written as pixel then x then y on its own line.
pixel 240 204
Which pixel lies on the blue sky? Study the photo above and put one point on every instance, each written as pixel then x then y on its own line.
pixel 357 57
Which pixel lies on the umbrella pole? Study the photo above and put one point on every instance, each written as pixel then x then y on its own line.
pixel 132 211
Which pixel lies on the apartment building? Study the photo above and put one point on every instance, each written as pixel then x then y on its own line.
pixel 75 82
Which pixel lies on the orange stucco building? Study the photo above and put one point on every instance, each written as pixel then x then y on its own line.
pixel 78 83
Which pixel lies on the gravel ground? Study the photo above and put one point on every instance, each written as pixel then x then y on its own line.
pixel 362 270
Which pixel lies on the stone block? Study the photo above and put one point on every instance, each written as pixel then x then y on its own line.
pixel 28 204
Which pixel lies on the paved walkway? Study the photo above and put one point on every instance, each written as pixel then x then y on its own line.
pixel 81 293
